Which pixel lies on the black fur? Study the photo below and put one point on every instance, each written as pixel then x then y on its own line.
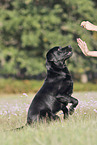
pixel 55 94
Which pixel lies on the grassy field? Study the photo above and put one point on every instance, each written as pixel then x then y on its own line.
pixel 78 129
pixel 32 86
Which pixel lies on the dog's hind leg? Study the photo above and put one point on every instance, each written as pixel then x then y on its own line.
pixel 32 119
pixel 53 116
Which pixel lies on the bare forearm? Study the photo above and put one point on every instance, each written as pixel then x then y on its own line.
pixel 92 53
pixel 94 28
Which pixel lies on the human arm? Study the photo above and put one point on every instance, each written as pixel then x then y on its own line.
pixel 84 48
pixel 89 26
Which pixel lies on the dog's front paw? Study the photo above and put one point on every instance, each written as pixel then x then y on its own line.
pixel 71 111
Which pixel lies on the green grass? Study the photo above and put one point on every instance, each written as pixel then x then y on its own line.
pixel 79 129
pixel 78 87
pixel 14 86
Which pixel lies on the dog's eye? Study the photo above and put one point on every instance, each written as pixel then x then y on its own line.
pixel 59 50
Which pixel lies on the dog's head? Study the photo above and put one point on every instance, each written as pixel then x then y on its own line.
pixel 58 55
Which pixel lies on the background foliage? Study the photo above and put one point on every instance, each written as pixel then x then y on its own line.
pixel 29 28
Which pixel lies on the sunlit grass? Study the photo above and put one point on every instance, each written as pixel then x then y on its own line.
pixel 78 129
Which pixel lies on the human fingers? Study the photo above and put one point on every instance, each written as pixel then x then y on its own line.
pixel 87 25
pixel 83 46
pixel 83 24
pixel 82 49
pixel 80 41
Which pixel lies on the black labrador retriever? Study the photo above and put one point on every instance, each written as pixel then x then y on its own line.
pixel 55 94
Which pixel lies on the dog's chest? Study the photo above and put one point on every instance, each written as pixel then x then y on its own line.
pixel 65 86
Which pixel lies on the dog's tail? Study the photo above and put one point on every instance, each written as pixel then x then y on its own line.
pixel 19 128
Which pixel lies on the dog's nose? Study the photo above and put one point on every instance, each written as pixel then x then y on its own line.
pixel 69 46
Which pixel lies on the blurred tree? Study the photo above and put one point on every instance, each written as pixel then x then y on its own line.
pixel 29 28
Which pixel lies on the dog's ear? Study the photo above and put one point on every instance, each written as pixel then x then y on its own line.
pixel 51 54
pixel 50 57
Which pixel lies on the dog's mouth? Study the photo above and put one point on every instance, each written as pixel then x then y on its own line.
pixel 70 53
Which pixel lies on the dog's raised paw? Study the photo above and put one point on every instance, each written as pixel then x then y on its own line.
pixel 71 111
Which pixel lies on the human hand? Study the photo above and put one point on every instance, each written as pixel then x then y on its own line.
pixel 88 25
pixel 83 46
